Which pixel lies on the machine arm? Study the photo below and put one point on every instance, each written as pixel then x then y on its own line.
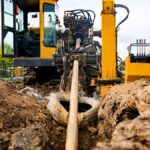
pixel 109 44
pixel 109 72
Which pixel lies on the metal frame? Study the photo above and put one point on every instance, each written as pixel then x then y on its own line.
pixel 9 29
pixel 109 48
pixel 32 62
pixel 136 70
pixel 45 52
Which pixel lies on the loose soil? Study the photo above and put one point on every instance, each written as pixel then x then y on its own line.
pixel 26 124
pixel 123 119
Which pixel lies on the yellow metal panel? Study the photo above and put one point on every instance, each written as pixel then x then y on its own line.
pixel 108 47
pixel 104 90
pixel 134 71
pixel 48 1
pixel 108 43
pixel 108 6
pixel 45 52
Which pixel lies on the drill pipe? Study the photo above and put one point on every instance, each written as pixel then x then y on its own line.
pixel 78 42
pixel 72 128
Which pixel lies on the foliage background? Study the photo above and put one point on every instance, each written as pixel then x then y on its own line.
pixel 5 66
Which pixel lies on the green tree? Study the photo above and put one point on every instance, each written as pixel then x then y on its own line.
pixel 122 66
pixel 8 49
pixel 6 61
pixel 0 51
pixel 5 64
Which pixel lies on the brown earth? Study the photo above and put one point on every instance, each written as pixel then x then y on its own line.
pixel 124 117
pixel 43 89
pixel 130 135
pixel 26 124
pixel 123 120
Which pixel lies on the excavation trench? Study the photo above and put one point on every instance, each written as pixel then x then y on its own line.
pixel 59 106
pixel 82 107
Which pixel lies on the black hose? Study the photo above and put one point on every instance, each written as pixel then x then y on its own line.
pixel 121 22
pixel 80 15
pixel 128 11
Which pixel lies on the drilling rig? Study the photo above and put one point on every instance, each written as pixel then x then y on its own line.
pixel 84 66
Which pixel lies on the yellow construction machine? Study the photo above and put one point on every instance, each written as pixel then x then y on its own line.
pixel 28 34
pixel 31 35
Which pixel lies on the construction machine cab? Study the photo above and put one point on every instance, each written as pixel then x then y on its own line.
pixel 29 31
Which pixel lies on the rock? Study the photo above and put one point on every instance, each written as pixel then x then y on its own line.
pixel 92 130
pixel 134 130
pixel 130 135
pixel 32 137
pixel 1 123
pixel 120 146
pixel 60 128
pixel 4 136
pixel 31 92
pixel 122 103
pixel 143 99
pixel 4 140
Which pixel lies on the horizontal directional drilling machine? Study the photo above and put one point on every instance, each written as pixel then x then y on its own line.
pixel 34 39
pixel 76 43
pixel 31 34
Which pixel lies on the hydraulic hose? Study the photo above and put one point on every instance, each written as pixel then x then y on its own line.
pixel 121 22
pixel 128 11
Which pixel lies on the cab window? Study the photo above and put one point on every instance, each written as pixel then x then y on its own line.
pixel 20 20
pixel 49 25
pixel 33 20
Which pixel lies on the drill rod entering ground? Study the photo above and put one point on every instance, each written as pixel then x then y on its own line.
pixel 72 128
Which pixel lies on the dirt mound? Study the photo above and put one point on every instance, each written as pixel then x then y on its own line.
pixel 123 102
pixel 120 116
pixel 130 135
pixel 18 112
pixel 25 123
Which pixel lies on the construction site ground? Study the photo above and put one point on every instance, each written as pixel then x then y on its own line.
pixel 123 120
